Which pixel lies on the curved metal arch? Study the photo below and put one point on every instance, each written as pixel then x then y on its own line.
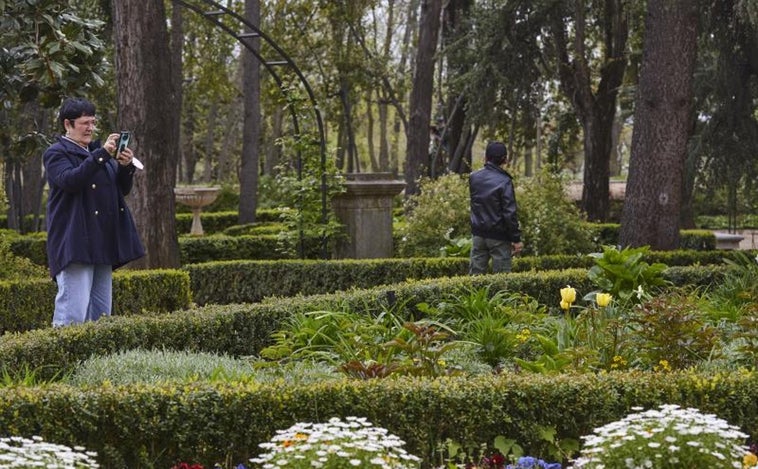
pixel 214 16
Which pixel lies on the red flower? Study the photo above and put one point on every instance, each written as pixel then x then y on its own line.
pixel 184 465
pixel 498 459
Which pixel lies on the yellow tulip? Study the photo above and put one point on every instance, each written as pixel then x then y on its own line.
pixel 603 299
pixel 568 295
pixel 565 305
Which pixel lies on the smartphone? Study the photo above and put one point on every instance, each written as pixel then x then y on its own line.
pixel 123 141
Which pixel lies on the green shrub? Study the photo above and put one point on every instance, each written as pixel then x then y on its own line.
pixel 550 222
pixel 251 281
pixel 438 212
pixel 244 329
pixel 16 267
pixel 138 366
pixel 304 193
pixel 493 323
pixel 671 331
pixel 217 222
pixel 257 228
pixel 438 218
pixel 721 222
pixel 625 274
pixel 740 286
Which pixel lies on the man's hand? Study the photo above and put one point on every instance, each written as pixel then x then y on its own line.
pixel 516 247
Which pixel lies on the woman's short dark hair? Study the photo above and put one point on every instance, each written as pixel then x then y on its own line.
pixel 73 108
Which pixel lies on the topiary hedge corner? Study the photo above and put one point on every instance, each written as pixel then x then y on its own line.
pixel 29 304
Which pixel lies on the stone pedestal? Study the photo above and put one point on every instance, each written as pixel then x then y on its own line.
pixel 196 198
pixel 728 240
pixel 366 211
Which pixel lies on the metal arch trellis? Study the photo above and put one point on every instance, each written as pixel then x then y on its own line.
pixel 244 37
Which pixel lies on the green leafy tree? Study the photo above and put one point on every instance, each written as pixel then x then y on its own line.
pixel 721 167
pixel 47 51
pixel 591 67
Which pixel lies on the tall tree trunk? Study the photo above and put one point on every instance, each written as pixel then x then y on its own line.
pixel 226 164
pixel 23 177
pixel 596 110
pixel 177 48
pixel 345 94
pixel 616 158
pixel 12 181
pixel 188 146
pixel 661 123
pixel 399 125
pixel 382 95
pixel 420 108
pixel 251 131
pixel 370 125
pixel 273 154
pixel 456 131
pixel 384 149
pixel 210 140
pixel 148 107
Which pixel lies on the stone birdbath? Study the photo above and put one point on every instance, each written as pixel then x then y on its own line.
pixel 196 198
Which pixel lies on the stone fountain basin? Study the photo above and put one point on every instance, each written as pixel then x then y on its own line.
pixel 196 197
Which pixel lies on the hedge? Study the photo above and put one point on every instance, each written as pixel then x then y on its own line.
pixel 259 243
pixel 244 329
pixel 29 304
pixel 251 281
pixel 157 426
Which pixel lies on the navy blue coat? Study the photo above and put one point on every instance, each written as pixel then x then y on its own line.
pixel 493 204
pixel 88 221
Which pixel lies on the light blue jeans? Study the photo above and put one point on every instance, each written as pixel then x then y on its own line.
pixel 85 292
pixel 482 249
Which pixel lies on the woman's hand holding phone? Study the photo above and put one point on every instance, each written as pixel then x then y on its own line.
pixel 124 154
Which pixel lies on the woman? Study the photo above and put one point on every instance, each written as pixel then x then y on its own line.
pixel 90 231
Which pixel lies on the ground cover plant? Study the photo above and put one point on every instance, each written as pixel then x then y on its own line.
pixel 632 320
pixel 170 366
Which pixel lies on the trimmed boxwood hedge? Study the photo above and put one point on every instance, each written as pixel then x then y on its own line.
pixel 244 329
pixel 265 245
pixel 251 281
pixel 29 304
pixel 156 426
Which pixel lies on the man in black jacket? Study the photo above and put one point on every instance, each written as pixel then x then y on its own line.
pixel 494 223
